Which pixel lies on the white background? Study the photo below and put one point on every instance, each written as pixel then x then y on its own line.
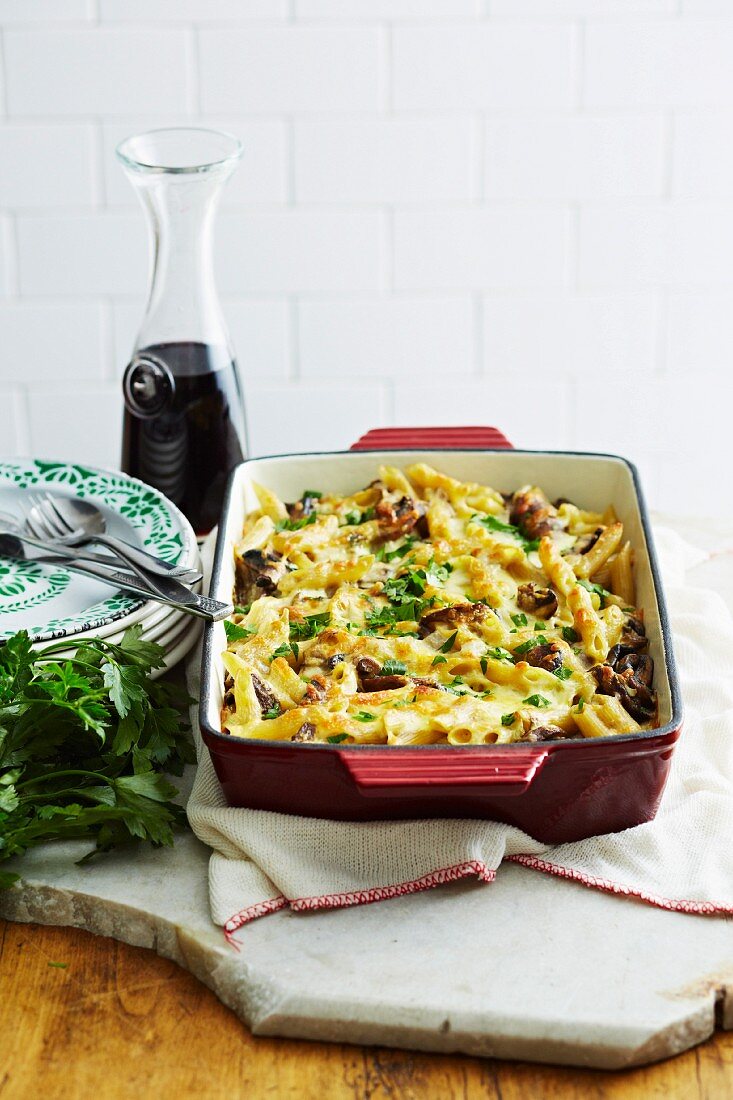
pixel 516 212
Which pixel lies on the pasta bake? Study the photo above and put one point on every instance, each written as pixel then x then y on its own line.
pixel 426 610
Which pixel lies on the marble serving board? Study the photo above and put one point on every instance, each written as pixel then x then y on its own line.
pixel 529 967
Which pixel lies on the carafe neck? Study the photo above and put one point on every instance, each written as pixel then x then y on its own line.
pixel 182 300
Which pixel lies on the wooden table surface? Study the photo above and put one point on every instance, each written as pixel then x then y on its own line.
pixel 82 1016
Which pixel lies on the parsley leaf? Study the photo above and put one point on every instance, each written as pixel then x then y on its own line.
pixel 598 589
pixel 519 620
pixel 273 712
pixel 83 741
pixel 441 661
pixel 447 646
pixel 393 668
pixel 310 626
pixel 531 643
pixel 491 523
pixel 237 633
pixel 365 716
pixel 337 738
pixel 296 524
pixel 312 493
pixel 570 635
pixel 563 673
pixel 536 701
pixel 509 719
pixel 498 654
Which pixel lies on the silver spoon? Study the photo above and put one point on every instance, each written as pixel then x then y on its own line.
pixel 75 522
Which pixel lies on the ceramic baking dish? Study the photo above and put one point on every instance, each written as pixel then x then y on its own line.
pixel 556 791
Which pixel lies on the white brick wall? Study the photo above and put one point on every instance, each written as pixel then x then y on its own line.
pixel 511 211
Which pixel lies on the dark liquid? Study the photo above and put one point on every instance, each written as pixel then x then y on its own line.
pixel 189 448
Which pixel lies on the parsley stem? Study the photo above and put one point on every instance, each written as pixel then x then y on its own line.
pixel 61 775
pixel 78 661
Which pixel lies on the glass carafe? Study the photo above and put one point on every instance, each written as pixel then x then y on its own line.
pixel 184 427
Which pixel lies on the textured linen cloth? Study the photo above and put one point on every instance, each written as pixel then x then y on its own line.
pixel 263 861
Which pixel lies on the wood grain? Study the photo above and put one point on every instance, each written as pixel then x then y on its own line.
pixel 117 1021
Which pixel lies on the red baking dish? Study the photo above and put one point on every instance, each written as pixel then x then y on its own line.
pixel 555 791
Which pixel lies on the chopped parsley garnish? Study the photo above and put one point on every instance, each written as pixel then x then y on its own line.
pixel 273 712
pixel 393 668
pixel 365 716
pixel 438 574
pixel 598 589
pixel 491 523
pixel 337 738
pixel 354 519
pixel 509 719
pixel 519 620
pixel 581 705
pixel 536 701
pixel 236 633
pixel 540 626
pixel 570 635
pixel 239 610
pixel 285 650
pixel 499 654
pixel 563 673
pixel 312 493
pixel 310 626
pixel 439 660
pixel 390 555
pixel 447 646
pixel 403 612
pixel 403 588
pixel 531 643
pixel 295 524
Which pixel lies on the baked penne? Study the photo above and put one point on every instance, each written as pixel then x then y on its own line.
pixel 425 610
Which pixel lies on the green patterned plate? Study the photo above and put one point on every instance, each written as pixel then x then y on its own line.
pixel 50 602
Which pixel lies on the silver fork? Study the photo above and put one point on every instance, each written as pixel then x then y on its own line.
pixel 77 522
pixel 42 521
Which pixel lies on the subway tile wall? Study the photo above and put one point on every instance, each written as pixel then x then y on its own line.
pixel 516 212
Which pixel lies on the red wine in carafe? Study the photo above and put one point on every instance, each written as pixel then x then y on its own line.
pixel 183 431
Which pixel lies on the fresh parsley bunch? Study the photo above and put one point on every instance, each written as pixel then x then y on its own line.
pixel 83 742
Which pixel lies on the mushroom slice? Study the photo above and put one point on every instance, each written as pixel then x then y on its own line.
pixel 547 656
pixel 398 518
pixel 257 574
pixel 634 694
pixel 458 614
pixel 306 732
pixel 540 602
pixel 544 733
pixel 370 676
pixel 532 513
pixel 265 697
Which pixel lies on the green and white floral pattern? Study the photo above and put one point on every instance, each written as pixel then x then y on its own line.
pixel 24 585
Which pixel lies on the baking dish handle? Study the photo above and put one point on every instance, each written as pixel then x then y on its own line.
pixel 376 773
pixel 433 439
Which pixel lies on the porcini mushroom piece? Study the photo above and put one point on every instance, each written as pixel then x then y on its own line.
pixel 458 614
pixel 257 574
pixel 532 513
pixel 540 602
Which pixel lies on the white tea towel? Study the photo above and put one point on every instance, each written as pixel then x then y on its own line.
pixel 263 861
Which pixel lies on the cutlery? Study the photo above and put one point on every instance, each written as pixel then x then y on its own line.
pixel 77 522
pixel 169 591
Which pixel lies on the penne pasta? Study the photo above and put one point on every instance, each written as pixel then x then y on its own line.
pixel 425 610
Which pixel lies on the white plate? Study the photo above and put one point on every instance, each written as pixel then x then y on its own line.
pixel 50 602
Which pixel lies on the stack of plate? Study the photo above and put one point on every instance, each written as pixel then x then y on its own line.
pixel 52 603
